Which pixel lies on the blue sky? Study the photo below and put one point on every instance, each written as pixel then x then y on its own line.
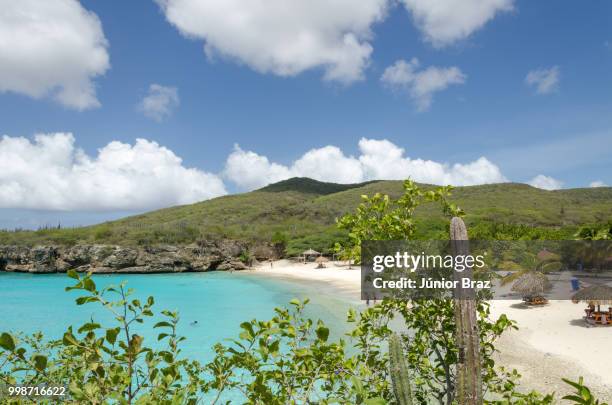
pixel 484 108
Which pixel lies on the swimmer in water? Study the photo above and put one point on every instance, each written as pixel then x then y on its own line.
pixel 194 323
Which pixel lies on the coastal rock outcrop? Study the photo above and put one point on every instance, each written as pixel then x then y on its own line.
pixel 203 256
pixel 39 259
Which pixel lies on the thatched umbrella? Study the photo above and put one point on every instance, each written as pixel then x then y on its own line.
pixel 598 294
pixel 311 252
pixel 545 254
pixel 531 284
pixel 321 260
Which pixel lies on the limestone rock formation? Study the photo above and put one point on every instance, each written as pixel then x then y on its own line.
pixel 204 256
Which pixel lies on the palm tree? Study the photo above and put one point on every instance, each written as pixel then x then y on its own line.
pixel 591 250
pixel 544 262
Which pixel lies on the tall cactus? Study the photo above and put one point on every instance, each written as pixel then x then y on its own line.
pixel 469 380
pixel 398 369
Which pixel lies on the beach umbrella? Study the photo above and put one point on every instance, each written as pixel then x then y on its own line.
pixel 321 260
pixel 531 284
pixel 598 294
pixel 311 252
pixel 545 254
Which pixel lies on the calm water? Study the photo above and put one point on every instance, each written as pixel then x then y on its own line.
pixel 218 301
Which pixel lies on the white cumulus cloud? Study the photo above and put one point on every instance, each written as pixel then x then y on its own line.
pixel 545 182
pixel 283 37
pixel 249 170
pixel 421 85
pixel 598 183
pixel 544 80
pixel 444 22
pixel 328 163
pixel 51 173
pixel 378 159
pixel 51 48
pixel 159 102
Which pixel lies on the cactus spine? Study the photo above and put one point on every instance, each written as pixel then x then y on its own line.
pixel 398 369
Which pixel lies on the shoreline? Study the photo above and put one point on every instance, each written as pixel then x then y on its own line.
pixel 341 280
pixel 552 342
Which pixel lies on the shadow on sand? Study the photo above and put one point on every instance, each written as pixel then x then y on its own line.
pixel 522 305
pixel 579 322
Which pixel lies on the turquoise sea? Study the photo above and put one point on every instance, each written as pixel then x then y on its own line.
pixel 218 301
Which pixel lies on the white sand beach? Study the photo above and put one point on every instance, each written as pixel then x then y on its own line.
pixel 341 278
pixel 552 341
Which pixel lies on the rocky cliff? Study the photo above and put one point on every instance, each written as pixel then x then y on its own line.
pixel 205 256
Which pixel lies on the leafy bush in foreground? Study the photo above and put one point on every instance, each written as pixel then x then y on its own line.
pixel 105 364
pixel 286 360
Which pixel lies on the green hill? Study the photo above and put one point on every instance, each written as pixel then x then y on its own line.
pixel 304 211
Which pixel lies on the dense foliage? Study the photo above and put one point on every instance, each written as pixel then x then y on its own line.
pixel 288 359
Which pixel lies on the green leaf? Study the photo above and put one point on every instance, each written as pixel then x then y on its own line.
pixel 248 328
pixel 323 333
pixel 274 347
pixel 572 383
pixel 89 284
pixel 375 401
pixel 111 335
pixel 72 274
pixel 574 398
pixel 84 300
pixel 69 339
pixel 357 385
pixel 89 327
pixel 136 343
pixel 40 361
pixel 7 342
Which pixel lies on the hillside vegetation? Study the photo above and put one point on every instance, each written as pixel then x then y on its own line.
pixel 302 212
